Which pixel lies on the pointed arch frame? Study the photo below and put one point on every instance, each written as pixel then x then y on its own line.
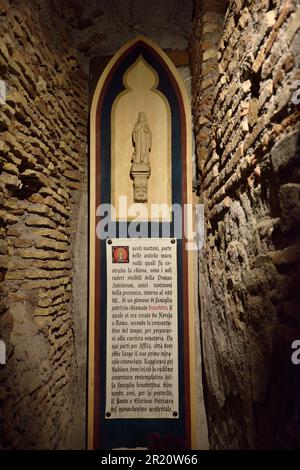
pixel 94 246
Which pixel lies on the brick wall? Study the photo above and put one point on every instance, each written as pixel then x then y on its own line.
pixel 245 65
pixel 42 164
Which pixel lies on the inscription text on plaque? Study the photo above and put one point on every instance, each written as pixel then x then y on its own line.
pixel 142 329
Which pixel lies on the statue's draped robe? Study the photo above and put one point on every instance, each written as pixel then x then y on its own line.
pixel 142 142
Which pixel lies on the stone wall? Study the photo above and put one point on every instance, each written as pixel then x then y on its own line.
pixel 245 65
pixel 42 163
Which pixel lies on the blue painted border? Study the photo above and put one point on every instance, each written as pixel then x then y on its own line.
pixel 135 432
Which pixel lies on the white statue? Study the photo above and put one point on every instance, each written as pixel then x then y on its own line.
pixel 142 140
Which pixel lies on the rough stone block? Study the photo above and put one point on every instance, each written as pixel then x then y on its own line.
pixel 289 199
pixel 35 220
pixel 286 152
pixel 209 54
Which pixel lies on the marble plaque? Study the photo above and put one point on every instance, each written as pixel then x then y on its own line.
pixel 142 329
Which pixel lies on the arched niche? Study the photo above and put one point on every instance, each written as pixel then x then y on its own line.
pixel 140 77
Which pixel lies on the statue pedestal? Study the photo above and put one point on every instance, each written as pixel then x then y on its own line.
pixel 140 173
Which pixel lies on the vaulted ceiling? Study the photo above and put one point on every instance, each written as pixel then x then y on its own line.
pixel 100 27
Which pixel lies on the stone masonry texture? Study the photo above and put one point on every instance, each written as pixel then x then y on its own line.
pixel 245 59
pixel 45 49
pixel 43 132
